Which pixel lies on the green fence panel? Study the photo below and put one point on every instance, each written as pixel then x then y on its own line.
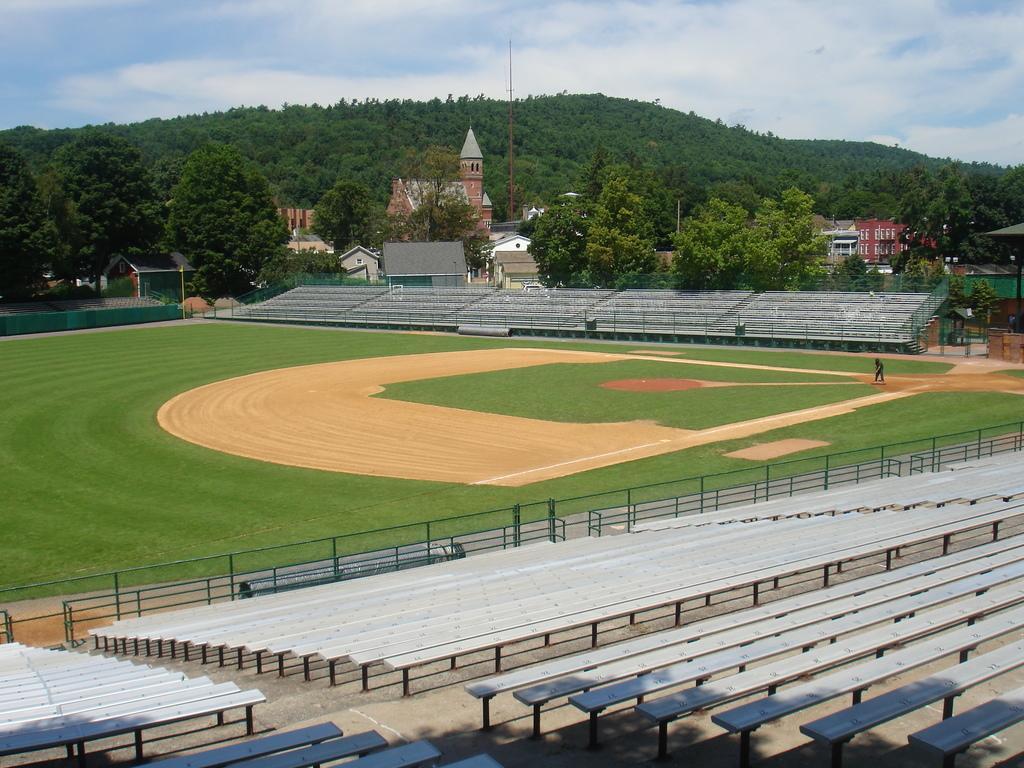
pixel 47 322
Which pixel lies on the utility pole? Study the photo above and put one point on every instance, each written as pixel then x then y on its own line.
pixel 511 169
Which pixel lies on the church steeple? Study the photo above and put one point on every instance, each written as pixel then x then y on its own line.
pixel 471 165
pixel 470 149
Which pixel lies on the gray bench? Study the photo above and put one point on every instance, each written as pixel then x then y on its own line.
pixel 704 658
pixel 837 729
pixel 477 761
pixel 267 745
pixel 769 676
pixel 78 733
pixel 324 752
pixel 551 679
pixel 416 753
pixel 955 735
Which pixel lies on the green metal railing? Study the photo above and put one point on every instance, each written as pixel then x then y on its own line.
pixel 122 603
pixel 919 319
pixel 933 460
pixel 6 628
pixel 136 590
pixel 707 499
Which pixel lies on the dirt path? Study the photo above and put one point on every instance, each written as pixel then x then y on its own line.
pixel 324 417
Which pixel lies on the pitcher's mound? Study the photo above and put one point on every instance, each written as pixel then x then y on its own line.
pixel 775 449
pixel 653 385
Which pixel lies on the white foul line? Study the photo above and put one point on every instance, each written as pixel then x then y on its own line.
pixel 573 461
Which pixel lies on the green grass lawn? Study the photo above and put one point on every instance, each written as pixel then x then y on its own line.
pixel 573 393
pixel 90 481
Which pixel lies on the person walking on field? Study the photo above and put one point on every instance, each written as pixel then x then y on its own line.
pixel 879 371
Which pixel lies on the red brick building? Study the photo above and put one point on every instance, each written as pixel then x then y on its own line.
pixel 297 218
pixel 408 194
pixel 879 240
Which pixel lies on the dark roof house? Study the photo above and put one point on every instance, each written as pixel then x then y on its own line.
pixel 152 272
pixel 436 264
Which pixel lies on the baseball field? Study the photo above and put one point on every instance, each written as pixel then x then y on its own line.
pixel 154 444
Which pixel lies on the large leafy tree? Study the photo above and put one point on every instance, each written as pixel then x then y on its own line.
pixel 984 300
pixel 621 238
pixel 852 273
pixel 444 212
pixel 224 220
pixel 788 249
pixel 26 237
pixel 712 246
pixel 938 210
pixel 345 216
pixel 559 241
pixel 114 204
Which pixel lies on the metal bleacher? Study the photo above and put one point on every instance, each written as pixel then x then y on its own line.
pixel 954 735
pixel 858 617
pixel 803 318
pixel 75 305
pixel 319 744
pixel 844 317
pixel 58 698
pixel 667 312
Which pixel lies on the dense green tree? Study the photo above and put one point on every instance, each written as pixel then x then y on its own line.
pixel 711 247
pixel 559 241
pixel 444 212
pixel 592 175
pixel 224 220
pixel 304 150
pixel 287 263
pixel 958 298
pixel 60 212
pixel 26 237
pixel 621 238
pixel 1011 195
pixel 737 192
pixel 938 211
pixel 345 216
pixel 788 249
pixel 984 300
pixel 115 208
pixel 852 273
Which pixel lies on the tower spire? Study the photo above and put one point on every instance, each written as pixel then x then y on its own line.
pixel 511 168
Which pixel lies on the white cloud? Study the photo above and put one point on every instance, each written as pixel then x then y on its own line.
pixel 999 141
pixel 927 78
pixel 47 6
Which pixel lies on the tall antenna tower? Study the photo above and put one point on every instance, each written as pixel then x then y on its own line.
pixel 511 167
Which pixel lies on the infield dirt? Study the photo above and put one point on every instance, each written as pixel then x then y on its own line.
pixel 325 417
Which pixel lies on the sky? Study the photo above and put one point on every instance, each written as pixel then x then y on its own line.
pixel 943 77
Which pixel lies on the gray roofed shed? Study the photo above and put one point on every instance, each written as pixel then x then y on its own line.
pixel 435 263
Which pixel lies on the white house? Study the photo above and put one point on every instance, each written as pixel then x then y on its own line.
pixel 513 263
pixel 361 263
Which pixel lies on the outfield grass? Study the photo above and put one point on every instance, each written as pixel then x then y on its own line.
pixel 90 482
pixel 542 392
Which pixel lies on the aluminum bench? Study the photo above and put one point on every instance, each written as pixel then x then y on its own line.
pixel 955 735
pixel 325 751
pixel 837 729
pixel 770 676
pixel 810 618
pixel 219 757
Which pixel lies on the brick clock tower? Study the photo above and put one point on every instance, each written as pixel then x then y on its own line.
pixel 471 164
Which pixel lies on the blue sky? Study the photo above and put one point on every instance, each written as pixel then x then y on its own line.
pixel 945 77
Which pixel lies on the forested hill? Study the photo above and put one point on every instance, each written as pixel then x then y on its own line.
pixel 304 150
